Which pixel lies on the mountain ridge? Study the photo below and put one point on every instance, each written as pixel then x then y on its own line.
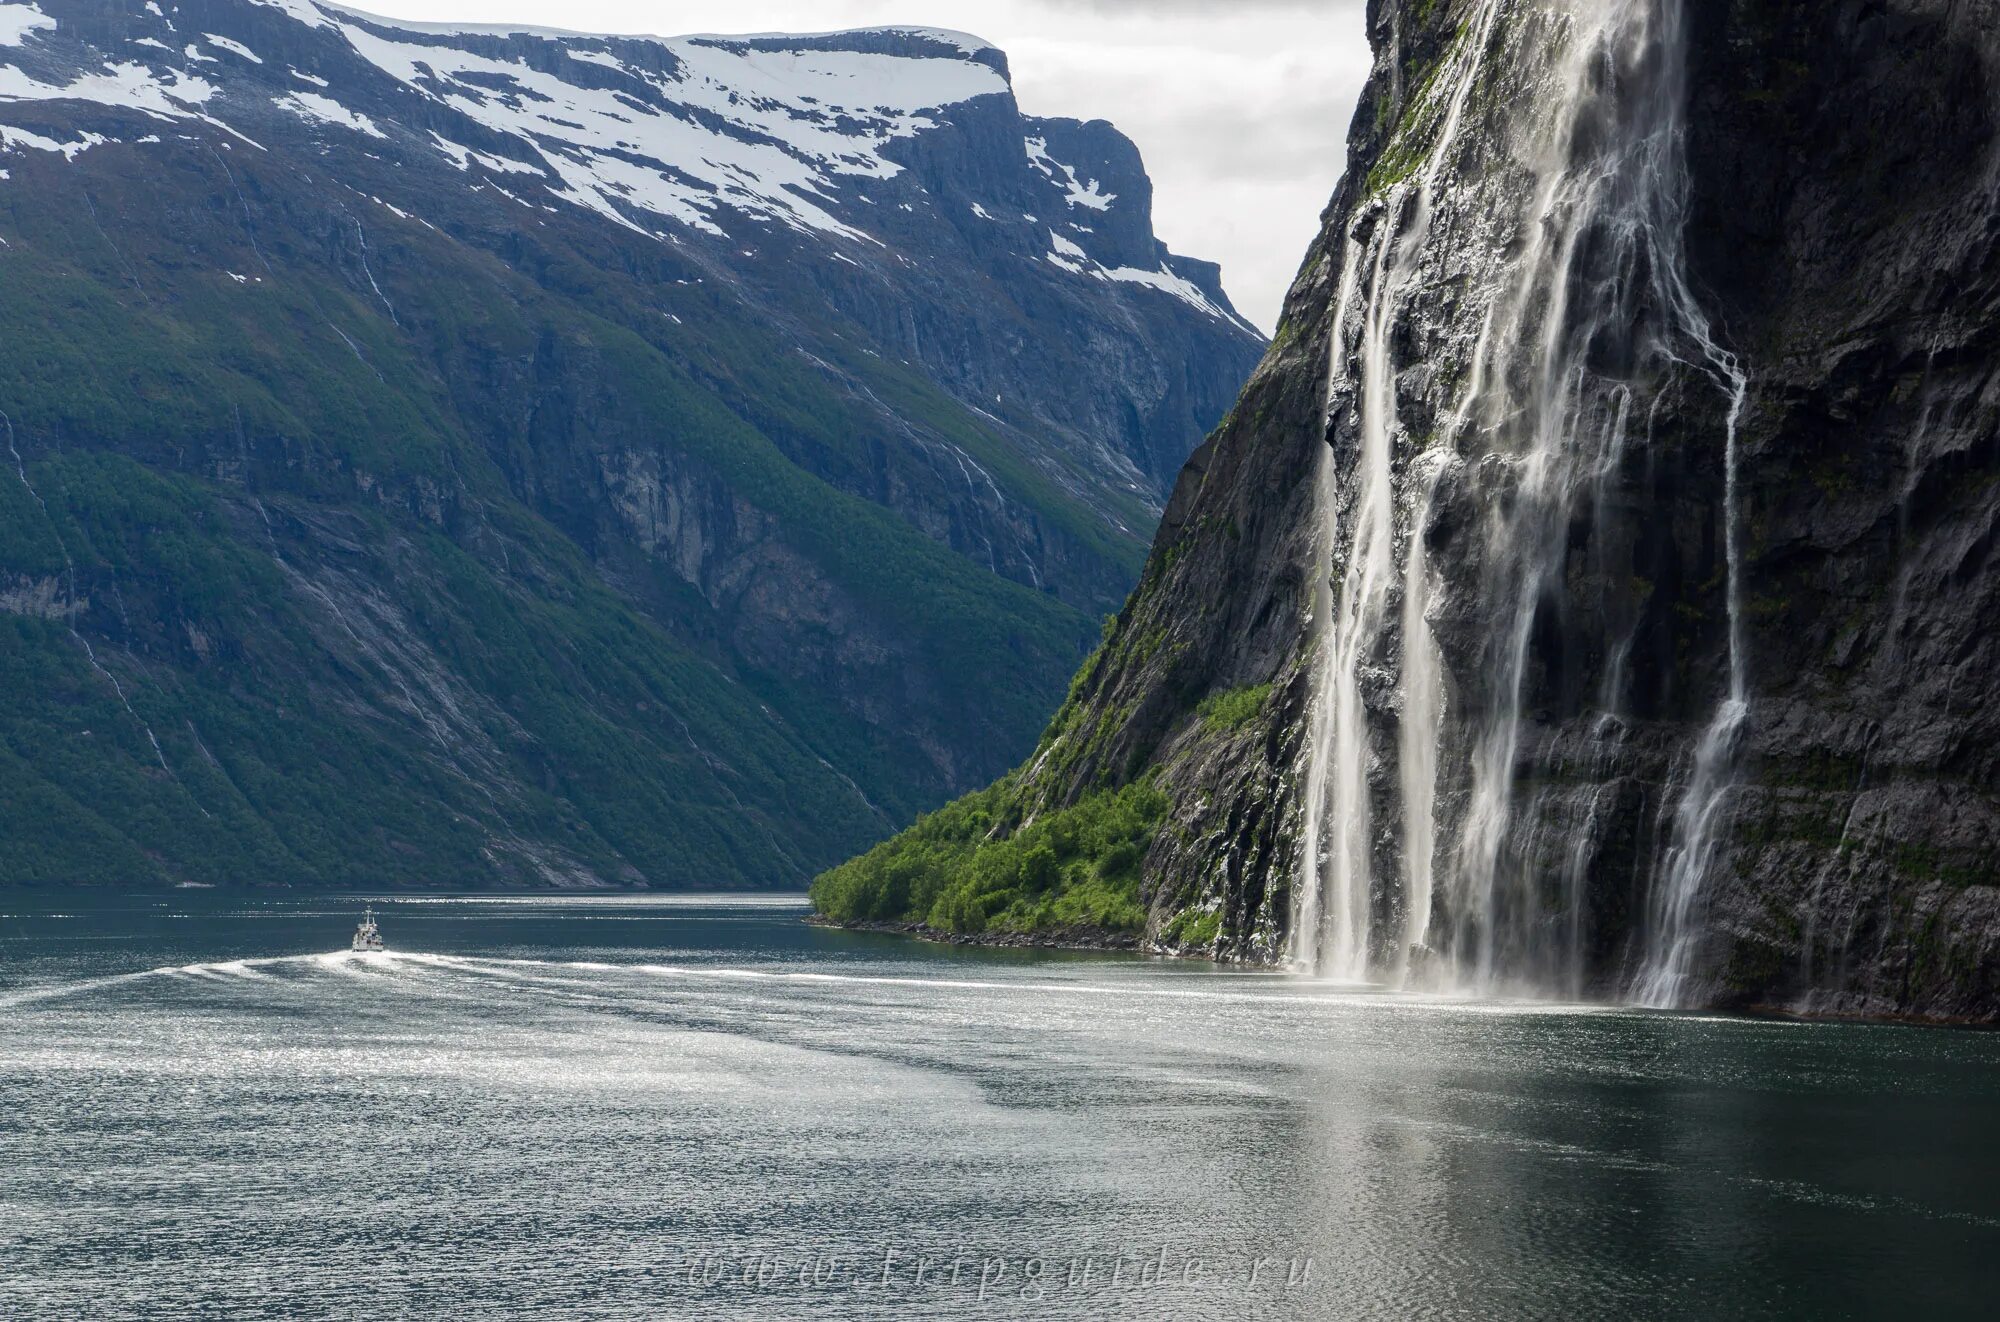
pixel 828 477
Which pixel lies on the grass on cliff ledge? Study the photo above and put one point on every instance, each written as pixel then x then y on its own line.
pixel 959 870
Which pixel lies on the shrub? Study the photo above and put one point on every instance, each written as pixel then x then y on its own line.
pixel 975 866
pixel 1234 709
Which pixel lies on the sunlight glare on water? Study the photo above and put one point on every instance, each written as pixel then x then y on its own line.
pixel 701 1107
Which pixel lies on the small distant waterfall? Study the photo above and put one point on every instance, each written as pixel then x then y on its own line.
pixel 1546 208
pixel 70 603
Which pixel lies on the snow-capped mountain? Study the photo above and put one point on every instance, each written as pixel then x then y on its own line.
pixel 855 141
pixel 657 135
pixel 803 393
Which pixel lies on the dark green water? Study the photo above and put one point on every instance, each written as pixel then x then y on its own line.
pixel 695 1108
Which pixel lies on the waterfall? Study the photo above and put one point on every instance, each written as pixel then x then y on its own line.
pixel 69 615
pixel 1547 207
pixel 1417 744
pixel 1700 819
pixel 1335 913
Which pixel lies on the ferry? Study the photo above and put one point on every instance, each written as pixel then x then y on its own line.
pixel 367 936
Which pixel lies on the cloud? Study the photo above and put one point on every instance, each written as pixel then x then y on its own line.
pixel 1239 106
pixel 1241 113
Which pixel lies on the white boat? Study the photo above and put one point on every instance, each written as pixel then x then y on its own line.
pixel 367 936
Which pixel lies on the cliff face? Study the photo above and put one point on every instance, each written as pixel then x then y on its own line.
pixel 453 456
pixel 1614 524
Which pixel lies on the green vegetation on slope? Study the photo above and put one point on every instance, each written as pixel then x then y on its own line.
pixel 360 579
pixel 968 869
pixel 1234 708
pixel 392 730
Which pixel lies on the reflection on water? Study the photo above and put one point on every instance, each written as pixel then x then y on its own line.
pixel 701 1107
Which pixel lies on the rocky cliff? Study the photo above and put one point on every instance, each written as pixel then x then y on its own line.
pixel 1593 593
pixel 463 456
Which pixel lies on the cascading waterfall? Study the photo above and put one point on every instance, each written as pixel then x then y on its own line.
pixel 1309 897
pixel 1700 820
pixel 1335 911
pixel 1567 250
pixel 1417 750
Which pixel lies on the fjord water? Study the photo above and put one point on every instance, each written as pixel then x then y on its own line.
pixel 667 1107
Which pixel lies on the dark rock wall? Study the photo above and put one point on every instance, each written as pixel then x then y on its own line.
pixel 1844 207
pixel 1846 162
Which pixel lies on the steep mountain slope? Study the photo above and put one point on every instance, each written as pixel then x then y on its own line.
pixel 463 457
pixel 1593 592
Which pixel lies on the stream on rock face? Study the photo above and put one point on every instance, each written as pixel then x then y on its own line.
pixel 682 1107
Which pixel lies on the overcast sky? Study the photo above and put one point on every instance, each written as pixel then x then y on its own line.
pixel 1240 106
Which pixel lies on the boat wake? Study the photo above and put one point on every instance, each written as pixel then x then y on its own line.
pixel 635 985
pixel 212 971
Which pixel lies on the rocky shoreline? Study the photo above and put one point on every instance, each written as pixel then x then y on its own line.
pixel 1103 940
pixel 1063 938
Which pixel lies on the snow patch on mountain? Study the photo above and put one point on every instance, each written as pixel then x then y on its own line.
pixel 302 10
pixel 1180 287
pixel 761 129
pixel 1065 255
pixel 13 138
pixel 235 48
pixel 325 110
pixel 465 157
pixel 1077 192
pixel 17 21
pixel 164 94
